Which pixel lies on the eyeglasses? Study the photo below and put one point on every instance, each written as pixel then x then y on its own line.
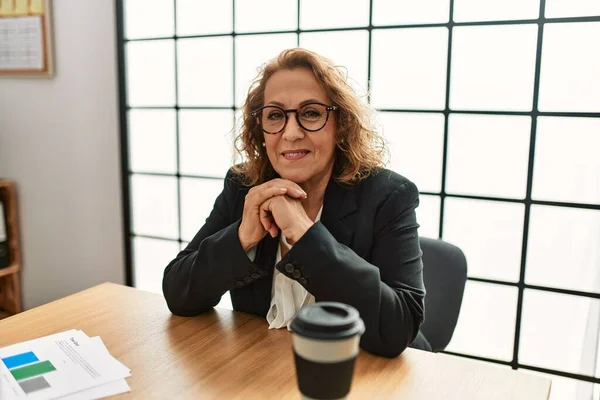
pixel 311 117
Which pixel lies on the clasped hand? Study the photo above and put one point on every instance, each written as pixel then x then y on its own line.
pixel 273 206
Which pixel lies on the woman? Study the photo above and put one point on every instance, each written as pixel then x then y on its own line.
pixel 310 216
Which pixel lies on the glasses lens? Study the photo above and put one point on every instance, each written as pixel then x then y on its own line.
pixel 272 119
pixel 313 116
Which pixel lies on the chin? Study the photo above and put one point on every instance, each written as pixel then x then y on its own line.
pixel 295 176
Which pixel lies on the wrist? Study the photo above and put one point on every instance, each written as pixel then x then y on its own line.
pixel 246 244
pixel 299 231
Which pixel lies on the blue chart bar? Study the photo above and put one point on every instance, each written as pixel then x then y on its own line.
pixel 19 360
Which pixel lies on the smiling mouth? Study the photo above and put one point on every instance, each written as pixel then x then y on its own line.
pixel 295 154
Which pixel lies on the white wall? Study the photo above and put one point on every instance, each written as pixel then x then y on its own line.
pixel 59 142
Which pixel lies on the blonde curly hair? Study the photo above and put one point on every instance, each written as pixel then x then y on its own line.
pixel 360 149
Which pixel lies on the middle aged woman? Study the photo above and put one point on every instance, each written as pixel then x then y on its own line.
pixel 311 215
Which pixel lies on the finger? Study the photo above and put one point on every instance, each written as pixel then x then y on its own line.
pixel 274 231
pixel 258 197
pixel 294 190
pixel 266 219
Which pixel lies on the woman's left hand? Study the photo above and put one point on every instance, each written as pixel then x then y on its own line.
pixel 289 216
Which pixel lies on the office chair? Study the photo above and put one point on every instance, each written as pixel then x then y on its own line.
pixel 444 274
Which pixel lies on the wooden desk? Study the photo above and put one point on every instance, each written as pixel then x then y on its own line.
pixel 225 355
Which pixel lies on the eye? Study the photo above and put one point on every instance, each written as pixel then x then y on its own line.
pixel 275 115
pixel 311 113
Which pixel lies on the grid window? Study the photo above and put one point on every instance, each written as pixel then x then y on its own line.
pixel 205 142
pixel 569 79
pixel 598 359
pixel 488 155
pixel 203 17
pixel 486 324
pixel 145 62
pixel 152 143
pixel 406 12
pixel 563 249
pixel 266 15
pixel 495 10
pixel 559 332
pixel 566 160
pixel 197 199
pixel 155 211
pixel 493 67
pixel 237 124
pixel 205 67
pixel 318 14
pixel 428 216
pixel 416 143
pixel 413 74
pixel 571 8
pixel 151 258
pixel 251 52
pixel 157 18
pixel 350 50
pixel 490 234
pixel 491 107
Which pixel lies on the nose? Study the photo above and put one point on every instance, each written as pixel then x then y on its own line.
pixel 292 131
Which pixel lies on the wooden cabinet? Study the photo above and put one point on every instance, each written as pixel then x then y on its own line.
pixel 10 284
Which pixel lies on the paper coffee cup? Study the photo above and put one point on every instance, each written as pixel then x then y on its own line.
pixel 326 338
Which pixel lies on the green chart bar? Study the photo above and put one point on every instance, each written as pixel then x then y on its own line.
pixel 32 370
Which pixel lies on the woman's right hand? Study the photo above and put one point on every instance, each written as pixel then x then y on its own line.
pixel 252 230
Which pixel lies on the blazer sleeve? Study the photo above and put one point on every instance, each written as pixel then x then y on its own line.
pixel 388 292
pixel 213 263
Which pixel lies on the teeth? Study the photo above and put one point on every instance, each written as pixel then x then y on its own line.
pixel 295 154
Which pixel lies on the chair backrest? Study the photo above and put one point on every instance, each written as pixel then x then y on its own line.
pixel 445 275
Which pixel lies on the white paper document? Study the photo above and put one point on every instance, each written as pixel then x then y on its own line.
pixel 21 43
pixel 67 365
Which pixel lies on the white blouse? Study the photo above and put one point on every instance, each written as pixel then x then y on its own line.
pixel 287 296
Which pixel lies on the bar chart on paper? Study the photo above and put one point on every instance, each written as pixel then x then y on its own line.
pixel 67 364
pixel 28 370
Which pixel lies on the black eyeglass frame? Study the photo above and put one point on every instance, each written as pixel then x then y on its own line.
pixel 328 108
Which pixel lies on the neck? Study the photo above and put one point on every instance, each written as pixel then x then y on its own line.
pixel 315 190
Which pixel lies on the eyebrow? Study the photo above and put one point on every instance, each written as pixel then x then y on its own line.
pixel 307 101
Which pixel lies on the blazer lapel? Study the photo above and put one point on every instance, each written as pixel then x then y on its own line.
pixel 338 206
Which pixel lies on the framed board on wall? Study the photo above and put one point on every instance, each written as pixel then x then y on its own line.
pixel 25 38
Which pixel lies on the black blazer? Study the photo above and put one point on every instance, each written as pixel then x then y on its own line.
pixel 364 252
